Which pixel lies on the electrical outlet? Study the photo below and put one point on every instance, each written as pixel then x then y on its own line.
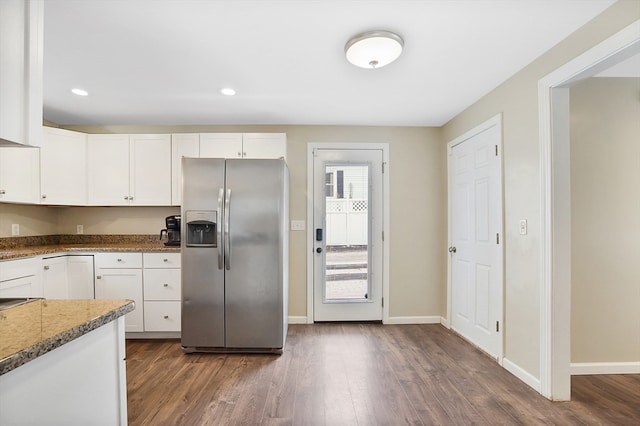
pixel 15 230
pixel 297 225
pixel 79 229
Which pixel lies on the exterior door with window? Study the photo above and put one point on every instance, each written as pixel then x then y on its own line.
pixel 347 229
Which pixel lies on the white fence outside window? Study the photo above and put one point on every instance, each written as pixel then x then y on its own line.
pixel 346 222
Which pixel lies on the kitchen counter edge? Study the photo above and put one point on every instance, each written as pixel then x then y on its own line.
pixel 62 249
pixel 22 357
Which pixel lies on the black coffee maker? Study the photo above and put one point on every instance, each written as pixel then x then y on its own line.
pixel 172 230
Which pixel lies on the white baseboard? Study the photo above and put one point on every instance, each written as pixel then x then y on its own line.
pixel 297 320
pixel 414 320
pixel 588 368
pixel 521 374
pixel 445 322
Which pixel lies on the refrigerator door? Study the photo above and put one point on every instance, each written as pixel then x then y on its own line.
pixel 201 246
pixel 255 272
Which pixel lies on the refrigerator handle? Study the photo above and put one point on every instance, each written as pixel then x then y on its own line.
pixel 227 237
pixel 219 227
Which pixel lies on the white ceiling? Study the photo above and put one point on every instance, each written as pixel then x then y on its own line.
pixel 165 61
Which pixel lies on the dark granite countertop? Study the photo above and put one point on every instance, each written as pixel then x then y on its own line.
pixel 32 329
pixel 15 248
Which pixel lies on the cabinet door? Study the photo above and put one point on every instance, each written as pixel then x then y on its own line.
pixel 19 175
pixel 264 145
pixel 182 145
pixel 54 278
pixel 63 167
pixel 108 170
pixel 21 53
pixel 80 277
pixel 220 145
pixel 21 287
pixel 150 170
pixel 123 284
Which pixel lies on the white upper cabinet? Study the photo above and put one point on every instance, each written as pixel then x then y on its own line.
pixel 108 170
pixel 243 145
pixel 129 170
pixel 21 48
pixel 19 174
pixel 221 145
pixel 150 170
pixel 182 145
pixel 264 145
pixel 63 167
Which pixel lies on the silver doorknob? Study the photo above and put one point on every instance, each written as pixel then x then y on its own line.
pixel 452 249
pixel 319 250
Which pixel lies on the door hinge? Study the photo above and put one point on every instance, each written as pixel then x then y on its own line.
pixel 497 238
pixel 497 326
pixel 382 302
pixel 382 235
pixel 496 150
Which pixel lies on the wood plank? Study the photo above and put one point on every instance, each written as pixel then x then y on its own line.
pixel 365 374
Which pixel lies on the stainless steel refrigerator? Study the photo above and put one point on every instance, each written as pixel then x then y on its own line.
pixel 235 262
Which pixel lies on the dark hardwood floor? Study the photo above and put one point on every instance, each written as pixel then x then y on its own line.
pixel 358 374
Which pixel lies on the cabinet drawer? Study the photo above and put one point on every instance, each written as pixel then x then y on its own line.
pixel 162 316
pixel 161 260
pixel 118 260
pixel 162 284
pixel 12 269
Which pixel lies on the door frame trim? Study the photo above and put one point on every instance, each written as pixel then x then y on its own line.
pixel 384 147
pixel 493 121
pixel 555 206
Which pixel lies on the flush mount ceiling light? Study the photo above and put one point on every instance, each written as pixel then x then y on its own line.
pixel 373 49
pixel 79 92
pixel 228 91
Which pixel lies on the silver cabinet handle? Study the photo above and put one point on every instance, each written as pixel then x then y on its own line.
pixel 119 260
pixel 166 317
pixel 244 154
pixel 126 197
pixel 46 267
pixel 166 285
pixel 166 260
pixel 131 198
pixel 99 277
pixel 44 196
pixel 239 154
pixel 452 249
pixel 2 192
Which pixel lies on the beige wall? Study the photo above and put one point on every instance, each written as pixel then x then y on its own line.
pixel 605 226
pixel 33 220
pixel 517 100
pixel 417 171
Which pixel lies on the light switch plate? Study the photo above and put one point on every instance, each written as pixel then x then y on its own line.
pixel 297 225
pixel 15 230
pixel 79 229
pixel 523 226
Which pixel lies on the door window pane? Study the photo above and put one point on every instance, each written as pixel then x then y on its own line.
pixel 347 232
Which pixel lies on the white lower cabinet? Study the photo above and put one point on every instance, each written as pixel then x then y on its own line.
pixel 119 276
pixel 162 292
pixel 55 281
pixel 20 278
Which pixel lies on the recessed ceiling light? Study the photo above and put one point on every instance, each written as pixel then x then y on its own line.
pixel 79 92
pixel 228 91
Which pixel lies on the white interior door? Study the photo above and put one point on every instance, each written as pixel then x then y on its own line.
pixel 475 217
pixel 347 226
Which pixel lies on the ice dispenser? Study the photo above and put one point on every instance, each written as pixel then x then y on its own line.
pixel 201 228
